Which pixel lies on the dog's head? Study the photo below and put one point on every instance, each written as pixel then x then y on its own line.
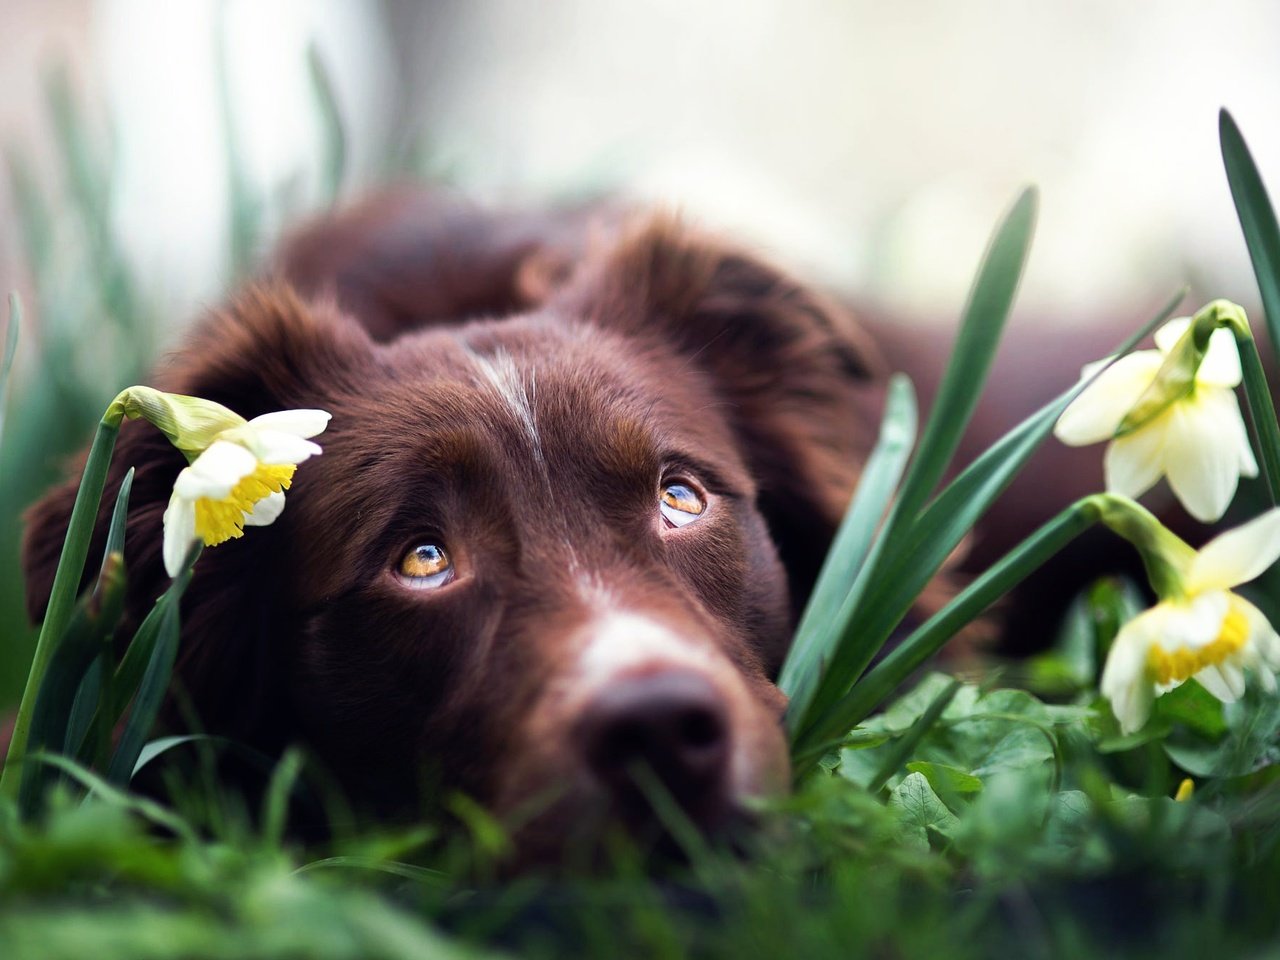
pixel 538 553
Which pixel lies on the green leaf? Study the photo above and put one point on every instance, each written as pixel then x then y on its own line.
pixel 906 745
pixel 981 325
pixel 925 641
pixel 920 811
pixel 947 782
pixel 93 619
pixel 158 632
pixel 10 351
pixel 1257 220
pixel 816 633
pixel 334 133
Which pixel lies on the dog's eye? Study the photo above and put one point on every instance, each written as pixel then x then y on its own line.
pixel 426 565
pixel 681 504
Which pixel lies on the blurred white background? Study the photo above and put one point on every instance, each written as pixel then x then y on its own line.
pixel 872 145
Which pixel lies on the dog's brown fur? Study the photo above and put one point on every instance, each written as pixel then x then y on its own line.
pixel 645 350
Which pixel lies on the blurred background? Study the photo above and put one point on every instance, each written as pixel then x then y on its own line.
pixel 154 149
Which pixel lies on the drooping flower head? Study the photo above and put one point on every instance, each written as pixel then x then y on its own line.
pixel 239 469
pixel 1200 628
pixel 1170 412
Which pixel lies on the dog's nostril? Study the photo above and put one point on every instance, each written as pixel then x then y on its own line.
pixel 674 723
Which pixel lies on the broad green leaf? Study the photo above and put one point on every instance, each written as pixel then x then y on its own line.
pixel 919 812
pixel 946 781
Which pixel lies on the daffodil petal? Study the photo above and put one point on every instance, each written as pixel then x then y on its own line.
pixel 1237 556
pixel 215 471
pixel 275 446
pixel 179 533
pixel 1095 415
pixel 1133 463
pixel 265 511
pixel 1124 678
pixel 300 423
pixel 1201 452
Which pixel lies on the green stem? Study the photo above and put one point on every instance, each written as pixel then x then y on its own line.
pixel 62 597
pixel 1262 412
pixel 885 677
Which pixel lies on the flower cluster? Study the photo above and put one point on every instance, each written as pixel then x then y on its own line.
pixel 1172 412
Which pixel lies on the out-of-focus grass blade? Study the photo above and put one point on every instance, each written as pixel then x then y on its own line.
pixel 812 645
pixel 10 351
pixel 106 792
pixel 94 692
pixel 981 324
pixel 275 806
pixel 95 616
pixel 1257 220
pixel 162 628
pixel 333 131
pixel 245 202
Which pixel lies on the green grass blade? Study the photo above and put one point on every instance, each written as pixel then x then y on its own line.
pixel 981 325
pixel 1262 414
pixel 275 806
pixel 10 351
pixel 887 675
pixel 155 678
pixel 1257 220
pixel 334 132
pixel 812 645
pixel 94 618
pixel 906 745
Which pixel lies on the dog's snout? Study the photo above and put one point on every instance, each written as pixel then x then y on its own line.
pixel 673 723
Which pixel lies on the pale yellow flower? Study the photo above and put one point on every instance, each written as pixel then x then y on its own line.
pixel 1198 440
pixel 1208 632
pixel 237 479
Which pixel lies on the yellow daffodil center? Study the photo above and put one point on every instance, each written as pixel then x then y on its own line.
pixel 221 520
pixel 1174 666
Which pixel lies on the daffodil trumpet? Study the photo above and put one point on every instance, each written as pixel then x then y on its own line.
pixel 1200 627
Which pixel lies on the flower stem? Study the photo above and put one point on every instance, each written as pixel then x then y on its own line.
pixel 66 584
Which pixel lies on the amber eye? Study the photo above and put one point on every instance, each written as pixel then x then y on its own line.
pixel 426 565
pixel 681 504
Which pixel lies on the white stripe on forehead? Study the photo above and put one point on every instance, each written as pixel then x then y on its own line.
pixel 502 374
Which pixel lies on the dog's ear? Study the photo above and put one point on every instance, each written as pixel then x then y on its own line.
pixel 793 367
pixel 267 351
pixel 411 258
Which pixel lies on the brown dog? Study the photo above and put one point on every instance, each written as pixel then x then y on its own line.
pixel 571 499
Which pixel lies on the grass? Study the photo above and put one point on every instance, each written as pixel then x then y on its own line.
pixel 997 813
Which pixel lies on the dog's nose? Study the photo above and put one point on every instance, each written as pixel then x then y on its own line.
pixel 674 724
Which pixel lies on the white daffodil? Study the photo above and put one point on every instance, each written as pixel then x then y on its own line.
pixel 237 479
pixel 1195 435
pixel 1207 632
